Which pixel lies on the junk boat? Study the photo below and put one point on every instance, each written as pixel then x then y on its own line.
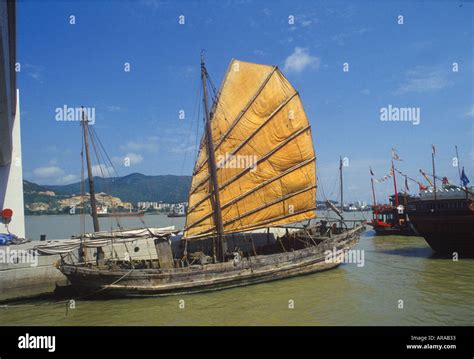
pixel 445 219
pixel 252 201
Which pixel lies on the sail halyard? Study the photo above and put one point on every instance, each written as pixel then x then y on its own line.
pixel 266 171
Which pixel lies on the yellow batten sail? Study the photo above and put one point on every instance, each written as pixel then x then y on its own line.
pixel 266 171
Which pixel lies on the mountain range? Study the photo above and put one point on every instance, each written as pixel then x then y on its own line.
pixel 135 187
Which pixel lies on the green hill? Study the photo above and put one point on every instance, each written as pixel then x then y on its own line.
pixel 134 188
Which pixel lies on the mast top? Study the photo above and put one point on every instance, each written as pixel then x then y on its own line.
pixel 202 58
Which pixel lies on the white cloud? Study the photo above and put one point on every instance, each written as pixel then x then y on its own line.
pixel 183 149
pixel 267 12
pixel 131 158
pixel 48 172
pixel 113 108
pixel 423 79
pixel 341 38
pixel 365 92
pixel 149 144
pixel 470 113
pixel 301 59
pixel 153 4
pixel 67 179
pixel 53 175
pixel 34 71
pixel 135 158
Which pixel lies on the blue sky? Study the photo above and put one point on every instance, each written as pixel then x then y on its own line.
pixel 403 65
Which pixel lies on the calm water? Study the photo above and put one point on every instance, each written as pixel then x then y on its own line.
pixel 434 291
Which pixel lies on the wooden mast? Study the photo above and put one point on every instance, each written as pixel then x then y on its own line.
pixel 434 172
pixel 373 195
pixel 215 200
pixel 395 184
pixel 85 127
pixel 458 163
pixel 342 187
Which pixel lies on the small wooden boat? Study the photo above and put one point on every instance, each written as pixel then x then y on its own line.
pixel 256 171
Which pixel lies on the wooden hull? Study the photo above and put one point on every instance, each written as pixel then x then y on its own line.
pixel 446 225
pixel 394 231
pixel 446 234
pixel 210 277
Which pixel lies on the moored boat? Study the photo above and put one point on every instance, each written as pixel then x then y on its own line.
pixel 392 220
pixel 255 171
pixel 446 220
pixel 445 216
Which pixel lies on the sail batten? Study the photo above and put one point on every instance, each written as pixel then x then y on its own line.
pixel 276 201
pixel 234 152
pixel 288 196
pixel 266 156
pixel 266 170
pixel 242 113
pixel 274 222
pixel 243 195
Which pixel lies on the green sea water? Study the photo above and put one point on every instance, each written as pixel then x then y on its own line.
pixel 400 283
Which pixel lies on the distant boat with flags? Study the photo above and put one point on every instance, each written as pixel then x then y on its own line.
pixel 444 215
pixel 391 219
pixel 247 223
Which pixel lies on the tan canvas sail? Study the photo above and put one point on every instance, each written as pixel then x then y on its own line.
pixel 264 153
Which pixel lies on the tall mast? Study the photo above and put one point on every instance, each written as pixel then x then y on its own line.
pixel 375 215
pixel 373 195
pixel 434 173
pixel 85 127
pixel 459 164
pixel 342 187
pixel 395 184
pixel 212 166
